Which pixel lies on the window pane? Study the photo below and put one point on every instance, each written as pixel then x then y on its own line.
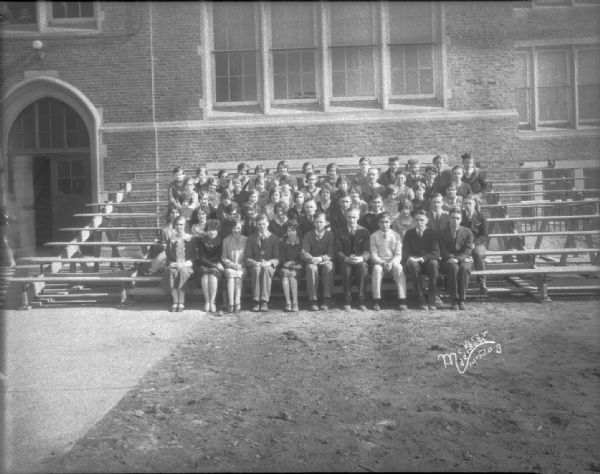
pixel 589 102
pixel 63 170
pixel 250 88
pixel 249 64
pixel 279 63
pixel 233 26
pixel 76 169
pixel 338 84
pixel 292 24
pixel 19 13
pixel 221 67
pixel 236 89
pixel 522 67
pixel 411 22
pixel 308 86
pixel 358 71
pixel 411 57
pixel 78 186
pixel 235 64
pixel 552 67
pixel 588 66
pixel 87 9
pixel 57 139
pixel 59 9
pixel 308 61
pixel 412 69
pixel 280 87
pixel 352 23
pixel 29 141
pixel 294 86
pixel 222 89
pixel 44 139
pixel 412 82
pixel 293 62
pixel 426 81
pixel 554 103
pixel 72 9
pixel 338 59
pixel 72 140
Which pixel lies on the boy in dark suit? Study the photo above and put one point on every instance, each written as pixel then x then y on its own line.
pixel 352 253
pixel 420 255
pixel 476 221
pixel 262 258
pixel 456 245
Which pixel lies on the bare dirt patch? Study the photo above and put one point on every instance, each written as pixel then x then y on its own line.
pixel 364 392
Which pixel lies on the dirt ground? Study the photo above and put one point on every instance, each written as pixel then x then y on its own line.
pixel 364 391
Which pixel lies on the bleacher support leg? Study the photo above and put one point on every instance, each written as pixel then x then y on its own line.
pixel 25 298
pixel 123 295
pixel 543 289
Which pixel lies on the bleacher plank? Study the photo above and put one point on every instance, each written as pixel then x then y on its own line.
pixel 121 215
pixel 129 203
pixel 109 229
pixel 572 250
pixel 543 218
pixel 101 243
pixel 537 234
pixel 84 259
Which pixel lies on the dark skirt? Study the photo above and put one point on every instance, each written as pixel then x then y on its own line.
pixel 211 271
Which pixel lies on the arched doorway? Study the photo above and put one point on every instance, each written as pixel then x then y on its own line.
pixel 48 165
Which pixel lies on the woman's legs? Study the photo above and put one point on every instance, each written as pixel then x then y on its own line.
pixel 238 292
pixel 294 291
pixel 181 298
pixel 213 285
pixel 175 296
pixel 285 283
pixel 231 287
pixel 205 292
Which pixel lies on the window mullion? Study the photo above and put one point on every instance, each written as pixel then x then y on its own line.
pixel 574 90
pixel 385 64
pixel 536 107
pixel 36 126
pixel 265 35
pixel 208 64
pixel 325 59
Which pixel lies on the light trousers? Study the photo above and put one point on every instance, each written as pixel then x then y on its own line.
pixel 312 279
pixel 261 282
pixel 397 274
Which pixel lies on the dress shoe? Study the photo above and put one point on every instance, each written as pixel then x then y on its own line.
pixel 324 307
pixel 462 306
pixel 347 307
pixel 256 307
pixel 287 308
pixel 432 307
pixel 362 307
pixel 295 308
pixel 455 306
pixel 314 306
pixel 376 307
pixel 264 306
pixel 402 307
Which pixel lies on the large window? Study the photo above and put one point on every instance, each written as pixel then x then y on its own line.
pixel 47 16
pixel 558 87
pixel 284 53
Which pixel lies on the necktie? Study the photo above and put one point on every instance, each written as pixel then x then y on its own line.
pixel 419 233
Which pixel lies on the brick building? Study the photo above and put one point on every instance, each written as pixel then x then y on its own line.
pixel 91 90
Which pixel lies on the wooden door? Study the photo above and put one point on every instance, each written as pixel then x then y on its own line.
pixel 71 191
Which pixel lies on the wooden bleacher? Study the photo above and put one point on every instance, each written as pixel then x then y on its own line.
pixel 128 235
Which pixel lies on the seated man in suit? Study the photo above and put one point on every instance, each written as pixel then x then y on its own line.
pixel 456 244
pixel 338 216
pixel 476 221
pixel 262 258
pixel 420 255
pixel 352 253
pixel 372 187
pixel 386 255
pixel 437 218
pixel 306 221
pixel 317 254
pixel 370 220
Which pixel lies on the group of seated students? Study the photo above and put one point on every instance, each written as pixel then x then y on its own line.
pixel 397 223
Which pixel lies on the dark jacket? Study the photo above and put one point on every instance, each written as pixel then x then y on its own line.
pixel 268 250
pixel 426 246
pixel 477 181
pixel 370 222
pixel 444 221
pixel 460 248
pixel 386 178
pixel 478 225
pixel 346 244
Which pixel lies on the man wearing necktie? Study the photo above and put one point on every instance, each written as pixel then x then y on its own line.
pixel 476 221
pixel 456 245
pixel 420 254
pixel 262 258
pixel 437 217
pixel 352 253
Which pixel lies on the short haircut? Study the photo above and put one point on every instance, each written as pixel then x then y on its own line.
pixel 273 191
pixel 188 180
pixel 468 198
pixel 393 159
pixel 213 224
pixel 221 173
pixel 332 166
pixel 390 189
pixel 237 221
pixel 455 210
pixel 405 204
pixel 420 212
pixel 292 224
pixel 412 161
pixel 364 159
pixel 296 194
pixel 259 179
pixel 437 157
pixel 419 185
pixel 465 156
pixel 231 207
pixel 285 180
pixel 374 170
pixel 311 175
pixel 202 194
pixel 376 196
pixel 319 214
pixel 354 190
pixel 310 200
pixel 306 165
pixel 353 209
pixel 341 179
pixel 261 216
pixel 325 189
pixel 280 205
pixel 201 168
pixel 281 164
pixel 259 168
pixel 383 215
pixel 177 219
pixel 436 195
pixel 242 167
pixel 431 168
pixel 343 195
pixel 457 167
pixel 210 180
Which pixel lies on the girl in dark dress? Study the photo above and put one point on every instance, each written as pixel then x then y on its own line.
pixel 277 225
pixel 181 253
pixel 210 248
pixel 291 265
